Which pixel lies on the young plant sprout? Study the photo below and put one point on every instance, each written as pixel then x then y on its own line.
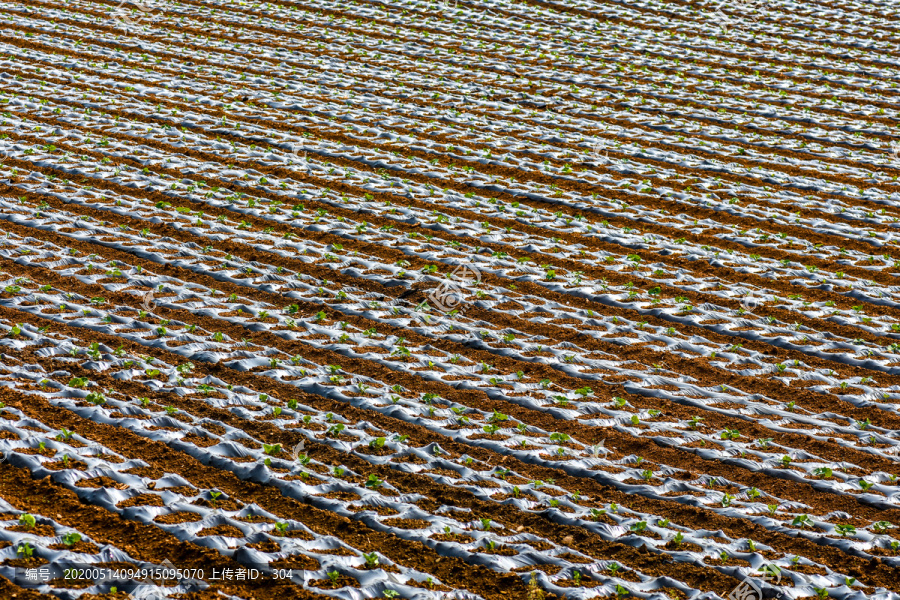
pixel 71 538
pixel 27 521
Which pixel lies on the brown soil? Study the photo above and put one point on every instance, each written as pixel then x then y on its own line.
pixel 178 517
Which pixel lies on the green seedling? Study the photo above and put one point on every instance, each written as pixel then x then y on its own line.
pixel 272 449
pixel 822 472
pixel 730 434
pixel 371 560
pixel 770 570
pixel 802 521
pixel 96 398
pixel 334 576
pixel 78 382
pixel 27 521
pixel 882 526
pixel 24 550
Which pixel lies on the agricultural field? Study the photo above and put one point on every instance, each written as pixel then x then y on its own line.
pixel 464 300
